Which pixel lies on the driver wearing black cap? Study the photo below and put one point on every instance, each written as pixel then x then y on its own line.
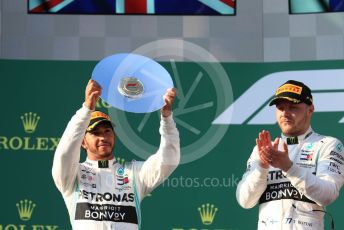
pixel 293 177
pixel 101 193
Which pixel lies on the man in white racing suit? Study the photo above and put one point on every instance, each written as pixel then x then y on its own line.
pixel 100 193
pixel 293 177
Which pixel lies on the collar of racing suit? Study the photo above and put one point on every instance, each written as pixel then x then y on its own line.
pixel 297 139
pixel 100 163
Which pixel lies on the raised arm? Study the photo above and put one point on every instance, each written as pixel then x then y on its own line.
pixel 67 154
pixel 160 165
pixel 254 181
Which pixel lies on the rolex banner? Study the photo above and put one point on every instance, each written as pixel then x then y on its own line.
pixel 219 111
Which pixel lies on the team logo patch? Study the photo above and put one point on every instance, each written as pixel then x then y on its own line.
pixel 120 171
pixel 121 177
pixel 339 147
pixel 309 146
pixel 306 156
pixel 103 164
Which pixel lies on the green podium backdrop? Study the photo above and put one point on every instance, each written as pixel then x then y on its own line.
pixel 39 97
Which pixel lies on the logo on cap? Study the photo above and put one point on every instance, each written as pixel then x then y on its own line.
pixel 131 87
pixel 290 88
pixel 98 114
pixel 96 118
pixel 293 91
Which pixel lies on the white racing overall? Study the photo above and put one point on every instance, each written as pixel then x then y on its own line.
pixel 105 194
pixel 290 200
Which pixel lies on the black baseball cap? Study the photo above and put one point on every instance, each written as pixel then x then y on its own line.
pixel 98 117
pixel 293 91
